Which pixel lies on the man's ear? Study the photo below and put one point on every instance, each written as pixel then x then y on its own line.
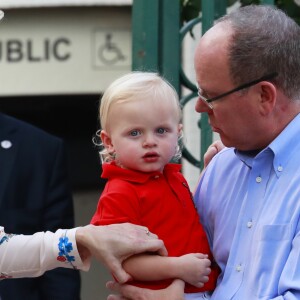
pixel 268 95
pixel 107 142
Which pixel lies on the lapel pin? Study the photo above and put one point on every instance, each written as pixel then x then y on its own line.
pixel 6 144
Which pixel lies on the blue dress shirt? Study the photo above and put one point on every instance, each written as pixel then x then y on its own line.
pixel 249 205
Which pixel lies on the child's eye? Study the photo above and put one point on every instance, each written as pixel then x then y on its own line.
pixel 161 130
pixel 134 133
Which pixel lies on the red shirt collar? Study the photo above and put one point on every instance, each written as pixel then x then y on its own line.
pixel 111 170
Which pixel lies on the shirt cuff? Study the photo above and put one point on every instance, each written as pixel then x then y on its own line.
pixel 65 249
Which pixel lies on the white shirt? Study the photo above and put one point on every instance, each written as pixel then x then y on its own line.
pixel 32 255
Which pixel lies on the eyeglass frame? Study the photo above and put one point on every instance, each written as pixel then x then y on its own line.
pixel 208 101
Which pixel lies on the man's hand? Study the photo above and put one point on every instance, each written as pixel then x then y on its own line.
pixel 175 291
pixel 212 150
pixel 114 243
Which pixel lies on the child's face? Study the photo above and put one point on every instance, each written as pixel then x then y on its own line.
pixel 142 134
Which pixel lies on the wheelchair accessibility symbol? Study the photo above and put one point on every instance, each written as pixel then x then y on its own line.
pixel 110 53
pixel 112 49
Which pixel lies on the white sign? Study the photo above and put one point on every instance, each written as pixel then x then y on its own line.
pixel 60 51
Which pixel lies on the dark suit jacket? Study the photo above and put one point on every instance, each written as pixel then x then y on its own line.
pixel 35 196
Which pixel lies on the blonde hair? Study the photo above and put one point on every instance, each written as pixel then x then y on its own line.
pixel 133 86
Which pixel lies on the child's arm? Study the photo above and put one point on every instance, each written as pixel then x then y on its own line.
pixel 192 268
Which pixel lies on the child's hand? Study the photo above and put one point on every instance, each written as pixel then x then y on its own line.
pixel 194 268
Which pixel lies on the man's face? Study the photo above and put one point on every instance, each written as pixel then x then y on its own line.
pixel 235 117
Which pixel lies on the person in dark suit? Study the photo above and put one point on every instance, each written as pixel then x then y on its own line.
pixel 35 196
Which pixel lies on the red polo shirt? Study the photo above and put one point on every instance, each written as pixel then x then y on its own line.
pixel 163 203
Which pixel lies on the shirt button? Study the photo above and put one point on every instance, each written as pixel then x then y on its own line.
pixel 249 224
pixel 258 179
pixel 238 268
pixel 280 169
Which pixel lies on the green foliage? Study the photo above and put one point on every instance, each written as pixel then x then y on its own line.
pixel 248 2
pixel 190 9
pixel 289 6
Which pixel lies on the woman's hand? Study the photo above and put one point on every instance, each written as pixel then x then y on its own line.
pixel 112 244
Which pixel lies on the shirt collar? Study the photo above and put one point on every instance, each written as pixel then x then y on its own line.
pixel 285 143
pixel 111 170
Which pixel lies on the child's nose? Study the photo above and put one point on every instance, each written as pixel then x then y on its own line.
pixel 149 141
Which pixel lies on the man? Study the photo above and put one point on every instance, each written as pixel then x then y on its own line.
pixel 247 69
pixel 35 196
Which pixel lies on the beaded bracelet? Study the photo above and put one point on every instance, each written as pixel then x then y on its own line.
pixel 65 247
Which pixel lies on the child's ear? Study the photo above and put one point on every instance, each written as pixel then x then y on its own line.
pixel 106 140
pixel 180 126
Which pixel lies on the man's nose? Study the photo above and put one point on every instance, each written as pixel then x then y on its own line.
pixel 201 107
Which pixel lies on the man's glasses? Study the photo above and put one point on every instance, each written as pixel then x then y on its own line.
pixel 240 87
